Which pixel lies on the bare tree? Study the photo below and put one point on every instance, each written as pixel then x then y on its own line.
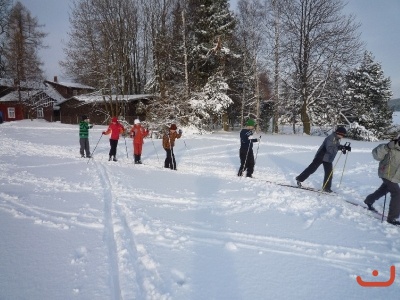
pixel 252 16
pixel 22 42
pixel 320 38
pixel 5 6
pixel 105 49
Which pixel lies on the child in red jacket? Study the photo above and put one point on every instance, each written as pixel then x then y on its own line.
pixel 138 133
pixel 115 128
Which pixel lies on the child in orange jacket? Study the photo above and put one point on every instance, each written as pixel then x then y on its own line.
pixel 138 133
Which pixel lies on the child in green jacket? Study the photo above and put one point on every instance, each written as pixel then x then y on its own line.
pixel 84 127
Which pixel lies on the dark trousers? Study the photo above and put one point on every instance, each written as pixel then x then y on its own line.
pixel 84 142
pixel 394 190
pixel 113 149
pixel 313 167
pixel 246 162
pixel 170 161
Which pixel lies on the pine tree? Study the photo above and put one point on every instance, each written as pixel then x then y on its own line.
pixel 211 26
pixel 368 92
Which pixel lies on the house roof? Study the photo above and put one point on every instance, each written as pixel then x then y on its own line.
pixel 14 96
pixel 70 84
pixel 52 93
pixel 8 82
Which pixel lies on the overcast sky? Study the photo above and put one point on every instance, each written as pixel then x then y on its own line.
pixel 380 24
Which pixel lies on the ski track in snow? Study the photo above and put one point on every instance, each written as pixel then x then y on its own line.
pixel 130 263
pixel 353 260
pixel 133 267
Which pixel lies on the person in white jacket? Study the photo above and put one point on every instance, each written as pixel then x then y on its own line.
pixel 388 156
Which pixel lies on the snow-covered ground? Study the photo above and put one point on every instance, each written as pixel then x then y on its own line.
pixel 115 230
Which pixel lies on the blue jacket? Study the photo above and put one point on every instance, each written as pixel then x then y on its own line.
pixel 246 143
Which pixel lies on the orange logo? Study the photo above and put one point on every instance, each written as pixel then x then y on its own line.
pixel 378 283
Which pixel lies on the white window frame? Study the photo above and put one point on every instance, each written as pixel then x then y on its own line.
pixel 39 113
pixel 11 112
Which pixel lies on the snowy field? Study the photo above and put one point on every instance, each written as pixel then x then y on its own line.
pixel 115 230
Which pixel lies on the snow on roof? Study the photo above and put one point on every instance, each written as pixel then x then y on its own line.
pixel 71 84
pixel 23 84
pixel 14 96
pixel 52 93
pixel 6 82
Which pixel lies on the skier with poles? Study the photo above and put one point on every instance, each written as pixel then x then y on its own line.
pixel 84 127
pixel 246 154
pixel 115 128
pixel 168 144
pixel 388 156
pixel 138 133
pixel 326 155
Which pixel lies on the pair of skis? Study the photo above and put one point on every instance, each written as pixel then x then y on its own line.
pixel 302 188
pixel 374 214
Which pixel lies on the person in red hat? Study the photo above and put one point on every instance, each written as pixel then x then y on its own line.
pixel 138 133
pixel 115 128
pixel 168 145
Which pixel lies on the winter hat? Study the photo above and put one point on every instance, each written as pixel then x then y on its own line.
pixel 114 119
pixel 84 117
pixel 341 131
pixel 172 127
pixel 250 122
pixel 137 121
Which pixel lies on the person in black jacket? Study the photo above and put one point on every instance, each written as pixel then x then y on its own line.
pixel 246 149
pixel 325 155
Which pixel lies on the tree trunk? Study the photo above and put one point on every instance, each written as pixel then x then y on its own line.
pixel 305 119
pixel 225 123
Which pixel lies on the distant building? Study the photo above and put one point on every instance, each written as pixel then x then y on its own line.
pixel 65 102
pixel 94 106
pixel 69 89
pixel 36 101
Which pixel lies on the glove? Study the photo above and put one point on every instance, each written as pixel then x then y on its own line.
pixel 391 144
pixel 180 131
pixel 103 132
pixel 342 148
pixel 348 148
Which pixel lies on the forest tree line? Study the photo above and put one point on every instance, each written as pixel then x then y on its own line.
pixel 298 62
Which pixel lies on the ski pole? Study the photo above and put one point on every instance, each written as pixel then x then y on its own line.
pixel 245 161
pixel 172 152
pixel 155 149
pixel 384 204
pixel 345 161
pixel 126 147
pixel 255 160
pixel 94 148
pixel 187 149
pixel 330 175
